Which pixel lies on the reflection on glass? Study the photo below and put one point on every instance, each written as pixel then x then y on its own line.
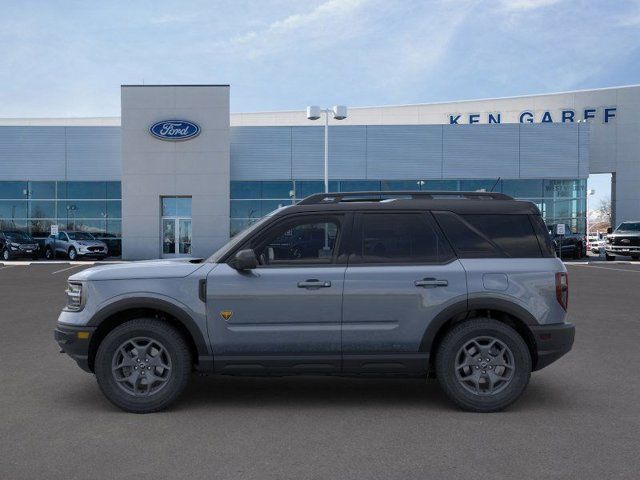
pixel 168 236
pixel 185 237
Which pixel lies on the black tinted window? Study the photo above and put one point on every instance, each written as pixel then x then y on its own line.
pixel 307 240
pixel 513 234
pixel 544 240
pixel 468 241
pixel 400 238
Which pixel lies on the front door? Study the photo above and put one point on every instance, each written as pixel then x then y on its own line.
pixel 285 314
pixel 402 274
pixel 175 226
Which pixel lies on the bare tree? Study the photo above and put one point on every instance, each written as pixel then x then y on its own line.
pixel 604 210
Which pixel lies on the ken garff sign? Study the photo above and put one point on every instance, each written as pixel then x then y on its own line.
pixel 568 115
pixel 174 130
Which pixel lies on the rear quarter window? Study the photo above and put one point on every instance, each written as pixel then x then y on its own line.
pixel 490 235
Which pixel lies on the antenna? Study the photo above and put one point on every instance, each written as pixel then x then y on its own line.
pixel 494 185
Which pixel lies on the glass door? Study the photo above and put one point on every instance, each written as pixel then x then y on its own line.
pixel 176 233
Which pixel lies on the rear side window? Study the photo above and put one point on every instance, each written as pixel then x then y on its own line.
pixel 544 240
pixel 399 238
pixel 487 236
pixel 513 234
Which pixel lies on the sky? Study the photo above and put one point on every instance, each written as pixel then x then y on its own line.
pixel 68 58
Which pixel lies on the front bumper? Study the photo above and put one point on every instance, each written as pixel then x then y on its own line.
pixel 552 342
pixel 621 250
pixel 75 341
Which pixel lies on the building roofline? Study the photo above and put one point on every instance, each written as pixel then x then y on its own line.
pixel 512 97
pixel 178 85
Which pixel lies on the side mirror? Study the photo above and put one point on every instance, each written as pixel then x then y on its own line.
pixel 245 260
pixel 609 230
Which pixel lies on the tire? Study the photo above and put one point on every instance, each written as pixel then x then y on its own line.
pixel 160 335
pixel 6 255
pixel 577 254
pixel 73 255
pixel 610 258
pixel 48 253
pixel 514 379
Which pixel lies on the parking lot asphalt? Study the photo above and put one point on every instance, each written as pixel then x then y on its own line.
pixel 579 419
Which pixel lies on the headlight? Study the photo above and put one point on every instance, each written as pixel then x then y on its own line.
pixel 75 301
pixel 14 246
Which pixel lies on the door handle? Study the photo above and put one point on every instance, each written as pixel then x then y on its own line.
pixel 431 283
pixel 313 283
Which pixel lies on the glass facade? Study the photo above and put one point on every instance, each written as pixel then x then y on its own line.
pixel 560 201
pixel 93 207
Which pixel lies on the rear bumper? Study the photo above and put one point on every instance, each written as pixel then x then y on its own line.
pixel 552 342
pixel 73 345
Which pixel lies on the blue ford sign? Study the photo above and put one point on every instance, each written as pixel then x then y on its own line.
pixel 174 130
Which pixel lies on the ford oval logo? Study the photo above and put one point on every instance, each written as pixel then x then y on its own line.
pixel 174 130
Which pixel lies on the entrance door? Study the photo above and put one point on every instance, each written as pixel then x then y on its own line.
pixel 176 226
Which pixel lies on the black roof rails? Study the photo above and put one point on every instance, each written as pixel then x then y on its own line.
pixel 377 196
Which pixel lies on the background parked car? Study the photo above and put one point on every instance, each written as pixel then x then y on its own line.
pixel 18 244
pixel 625 240
pixel 74 245
pixel 572 244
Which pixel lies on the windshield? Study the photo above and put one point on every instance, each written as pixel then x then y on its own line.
pixel 629 227
pixel 241 237
pixel 19 237
pixel 80 236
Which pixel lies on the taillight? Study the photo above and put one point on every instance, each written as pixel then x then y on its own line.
pixel 562 289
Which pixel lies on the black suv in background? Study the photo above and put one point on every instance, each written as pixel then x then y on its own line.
pixel 15 244
pixel 572 244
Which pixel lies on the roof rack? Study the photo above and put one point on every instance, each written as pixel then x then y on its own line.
pixel 378 196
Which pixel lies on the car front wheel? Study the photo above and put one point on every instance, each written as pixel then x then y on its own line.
pixel 6 255
pixel 483 365
pixel 143 365
pixel 73 254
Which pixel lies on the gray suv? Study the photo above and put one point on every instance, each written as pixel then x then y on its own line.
pixel 74 245
pixel 461 286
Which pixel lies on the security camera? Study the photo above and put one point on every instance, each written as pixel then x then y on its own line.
pixel 313 112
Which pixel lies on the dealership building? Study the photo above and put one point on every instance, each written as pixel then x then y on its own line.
pixel 178 174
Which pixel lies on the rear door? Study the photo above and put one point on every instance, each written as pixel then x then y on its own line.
pixel 401 274
pixel 284 315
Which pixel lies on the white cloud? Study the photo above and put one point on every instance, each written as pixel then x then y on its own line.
pixel 526 5
pixel 326 24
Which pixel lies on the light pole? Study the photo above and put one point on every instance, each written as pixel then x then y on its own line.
pixel 589 193
pixel 314 112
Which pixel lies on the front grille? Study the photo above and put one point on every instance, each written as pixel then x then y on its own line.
pixel 626 241
pixel 95 249
pixel 28 247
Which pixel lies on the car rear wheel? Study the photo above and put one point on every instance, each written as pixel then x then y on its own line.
pixel 483 365
pixel 143 365
pixel 610 258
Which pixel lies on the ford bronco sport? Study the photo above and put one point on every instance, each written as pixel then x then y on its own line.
pixel 462 286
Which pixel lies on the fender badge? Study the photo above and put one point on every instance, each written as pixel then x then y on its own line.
pixel 226 314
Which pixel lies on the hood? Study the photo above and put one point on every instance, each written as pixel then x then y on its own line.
pixel 624 233
pixel 151 269
pixel 91 243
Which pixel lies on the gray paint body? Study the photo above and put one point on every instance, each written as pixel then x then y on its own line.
pixel 369 312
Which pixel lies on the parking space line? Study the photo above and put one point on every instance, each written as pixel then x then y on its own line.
pixel 69 268
pixel 605 268
pixel 7 266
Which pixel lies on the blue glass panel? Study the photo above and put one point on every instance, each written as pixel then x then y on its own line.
pixel 183 206
pixel 246 190
pixel 40 228
pixel 478 185
pixel 114 228
pixel 245 208
pixel 402 185
pixel 268 206
pixel 276 189
pixel 82 209
pixel 114 190
pixel 42 209
pixel 441 185
pixel 94 227
pixel 114 209
pixel 10 209
pixel 14 225
pixel 168 206
pixel 359 185
pixel 86 190
pixel 522 188
pixel 13 190
pixel 44 190
pixel 304 188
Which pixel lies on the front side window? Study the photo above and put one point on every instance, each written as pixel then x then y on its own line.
pixel 629 227
pixel 400 238
pixel 301 241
